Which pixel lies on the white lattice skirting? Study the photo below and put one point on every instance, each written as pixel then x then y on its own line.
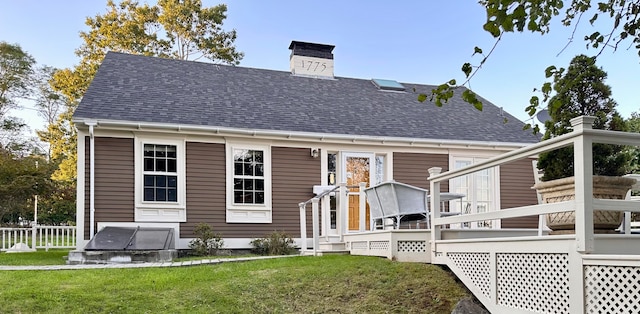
pixel 475 266
pixel 359 245
pixel 612 289
pixel 534 282
pixel 379 245
pixel 412 246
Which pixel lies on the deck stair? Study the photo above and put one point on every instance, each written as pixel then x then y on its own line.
pixel 332 246
pixel 327 248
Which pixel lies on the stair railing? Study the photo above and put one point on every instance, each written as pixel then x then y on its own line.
pixel 315 215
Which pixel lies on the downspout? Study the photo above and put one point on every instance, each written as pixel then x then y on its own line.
pixel 92 178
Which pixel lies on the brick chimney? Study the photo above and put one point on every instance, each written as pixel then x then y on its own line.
pixel 310 59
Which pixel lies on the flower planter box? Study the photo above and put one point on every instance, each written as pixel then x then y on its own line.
pixel 604 187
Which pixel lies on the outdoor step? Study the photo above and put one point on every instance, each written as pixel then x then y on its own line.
pixel 326 252
pixel 332 246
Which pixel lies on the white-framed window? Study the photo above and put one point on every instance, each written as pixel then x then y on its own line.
pixel 480 189
pixel 160 173
pixel 248 183
pixel 160 179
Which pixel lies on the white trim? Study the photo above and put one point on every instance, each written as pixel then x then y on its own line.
pixel 292 135
pixel 102 132
pixel 92 179
pixel 80 241
pixel 248 213
pixel 160 211
pixel 236 243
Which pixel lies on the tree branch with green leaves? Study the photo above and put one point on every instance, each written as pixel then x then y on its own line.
pixel 535 16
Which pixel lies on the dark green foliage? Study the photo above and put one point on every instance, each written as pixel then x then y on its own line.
pixel 276 243
pixel 207 242
pixel 59 206
pixel 20 180
pixel 634 126
pixel 581 91
pixel 16 68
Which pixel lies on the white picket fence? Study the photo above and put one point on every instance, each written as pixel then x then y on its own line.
pixel 39 237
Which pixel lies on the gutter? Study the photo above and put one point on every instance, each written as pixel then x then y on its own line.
pixel 92 178
pixel 288 135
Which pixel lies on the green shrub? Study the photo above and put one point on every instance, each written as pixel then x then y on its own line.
pixel 207 242
pixel 275 243
pixel 581 91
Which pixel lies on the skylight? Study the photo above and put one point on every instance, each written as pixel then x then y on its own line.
pixel 388 85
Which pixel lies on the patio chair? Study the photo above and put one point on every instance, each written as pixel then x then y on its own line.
pixel 396 200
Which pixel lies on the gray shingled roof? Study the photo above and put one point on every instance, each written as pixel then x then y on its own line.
pixel 148 89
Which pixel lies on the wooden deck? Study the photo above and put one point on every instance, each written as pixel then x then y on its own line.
pixel 528 271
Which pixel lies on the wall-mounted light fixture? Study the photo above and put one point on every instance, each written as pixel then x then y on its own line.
pixel 315 152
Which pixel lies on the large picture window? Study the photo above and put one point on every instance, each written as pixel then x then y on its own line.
pixel 160 173
pixel 248 183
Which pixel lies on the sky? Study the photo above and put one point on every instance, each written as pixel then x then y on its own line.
pixel 423 42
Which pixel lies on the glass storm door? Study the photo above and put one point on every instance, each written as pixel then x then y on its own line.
pixel 357 167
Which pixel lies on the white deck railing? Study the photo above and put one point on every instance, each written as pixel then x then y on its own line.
pixel 39 237
pixel 582 139
pixel 581 273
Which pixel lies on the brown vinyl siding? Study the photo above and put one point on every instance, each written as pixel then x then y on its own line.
pixel 205 188
pixel 413 168
pixel 516 180
pixel 114 183
pixel 293 175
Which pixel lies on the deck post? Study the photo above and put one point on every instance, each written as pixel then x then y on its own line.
pixel 343 204
pixel 583 168
pixel 34 234
pixel 303 228
pixel 362 207
pixel 576 283
pixel 326 217
pixel 316 225
pixel 434 207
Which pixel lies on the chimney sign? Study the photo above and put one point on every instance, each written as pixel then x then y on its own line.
pixel 311 59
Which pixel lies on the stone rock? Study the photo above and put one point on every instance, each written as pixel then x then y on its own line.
pixel 469 306
pixel 20 247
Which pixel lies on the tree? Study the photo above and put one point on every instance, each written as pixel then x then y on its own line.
pixel 180 29
pixel 581 91
pixel 20 179
pixel 48 103
pixel 633 123
pixel 508 16
pixel 16 69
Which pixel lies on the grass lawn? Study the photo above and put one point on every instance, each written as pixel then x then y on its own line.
pixel 329 284
pixel 40 257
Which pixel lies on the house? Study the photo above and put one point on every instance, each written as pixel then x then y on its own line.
pixel 172 143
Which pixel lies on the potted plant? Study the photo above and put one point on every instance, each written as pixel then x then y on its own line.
pixel 581 91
